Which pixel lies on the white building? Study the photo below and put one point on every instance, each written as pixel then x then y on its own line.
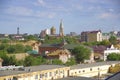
pixel 110 50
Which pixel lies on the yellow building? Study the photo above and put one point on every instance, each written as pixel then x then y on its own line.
pixel 42 72
pixel 91 70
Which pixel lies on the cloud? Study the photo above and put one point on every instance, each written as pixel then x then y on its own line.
pixel 109 16
pixel 40 3
pixel 19 11
pixel 45 14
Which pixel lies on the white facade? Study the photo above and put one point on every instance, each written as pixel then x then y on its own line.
pixel 47 31
pixel 99 36
pixel 109 51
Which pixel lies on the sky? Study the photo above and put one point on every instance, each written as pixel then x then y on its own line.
pixel 32 16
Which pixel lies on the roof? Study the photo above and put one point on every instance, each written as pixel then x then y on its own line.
pixel 29 69
pixel 76 78
pixel 90 32
pixel 66 46
pixel 50 45
pixel 99 49
pixel 70 46
pixel 115 76
pixel 78 66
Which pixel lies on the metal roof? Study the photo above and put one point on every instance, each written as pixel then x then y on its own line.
pixel 29 69
pixel 78 66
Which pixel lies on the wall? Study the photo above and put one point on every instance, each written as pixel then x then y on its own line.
pixel 40 75
pixel 90 72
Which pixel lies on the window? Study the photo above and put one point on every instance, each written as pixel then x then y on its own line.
pixel 98 68
pixel 36 76
pixel 45 74
pixel 50 74
pixel 40 75
pixel 75 72
pixel 83 70
pixel 90 69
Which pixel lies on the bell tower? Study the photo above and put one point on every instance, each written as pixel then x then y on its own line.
pixel 61 33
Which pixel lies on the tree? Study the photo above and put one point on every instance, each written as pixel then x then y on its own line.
pixel 105 43
pixel 113 57
pixel 28 48
pixel 2 47
pixel 70 62
pixel 31 61
pixel 11 49
pixel 81 53
pixel 57 62
pixel 113 40
pixel 19 48
pixel 31 37
pixel 8 60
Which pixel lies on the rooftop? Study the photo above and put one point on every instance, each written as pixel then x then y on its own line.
pixel 29 69
pixel 76 78
pixel 114 77
pixel 78 66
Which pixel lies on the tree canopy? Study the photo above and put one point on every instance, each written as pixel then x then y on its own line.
pixel 81 53
pixel 113 40
pixel 113 57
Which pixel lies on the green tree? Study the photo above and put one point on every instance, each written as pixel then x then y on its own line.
pixel 19 48
pixel 113 57
pixel 81 53
pixel 27 48
pixel 113 40
pixel 31 61
pixel 70 62
pixel 12 60
pixel 57 62
pixel 11 49
pixel 5 41
pixel 2 47
pixel 105 43
pixel 31 37
pixel 8 60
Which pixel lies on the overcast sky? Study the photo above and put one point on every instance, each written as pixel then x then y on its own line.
pixel 32 16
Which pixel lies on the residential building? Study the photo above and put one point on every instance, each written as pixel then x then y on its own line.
pixel 91 36
pixel 106 36
pixel 118 34
pixel 110 50
pixel 42 34
pixel 99 52
pixel 62 55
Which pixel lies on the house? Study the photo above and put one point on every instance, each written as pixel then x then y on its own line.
pixel 48 48
pixel 98 51
pixel 110 50
pixel 62 55
pixel 91 36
